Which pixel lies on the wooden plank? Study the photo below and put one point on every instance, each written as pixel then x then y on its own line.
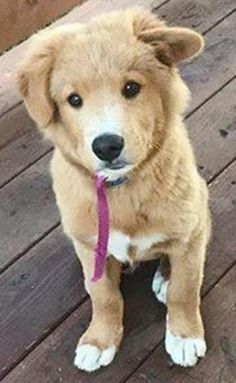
pixel 199 14
pixel 223 206
pixel 52 360
pixel 219 365
pixel 36 293
pixel 10 60
pixel 210 71
pixel 14 124
pixel 20 154
pixel 28 211
pixel 19 19
pixel 212 129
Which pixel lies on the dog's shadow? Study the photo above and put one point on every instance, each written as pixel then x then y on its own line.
pixel 143 313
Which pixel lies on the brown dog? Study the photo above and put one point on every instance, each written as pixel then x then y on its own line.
pixel 109 96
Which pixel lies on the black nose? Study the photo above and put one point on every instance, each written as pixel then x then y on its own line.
pixel 107 147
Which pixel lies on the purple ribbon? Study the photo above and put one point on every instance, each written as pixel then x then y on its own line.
pixel 103 229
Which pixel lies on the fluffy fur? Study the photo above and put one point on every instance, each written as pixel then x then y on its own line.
pixel 164 204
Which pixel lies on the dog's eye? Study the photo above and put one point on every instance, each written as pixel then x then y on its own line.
pixel 131 89
pixel 75 100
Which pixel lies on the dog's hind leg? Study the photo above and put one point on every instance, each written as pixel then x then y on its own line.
pixel 98 345
pixel 161 279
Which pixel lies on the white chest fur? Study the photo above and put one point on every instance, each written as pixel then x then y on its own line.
pixel 119 244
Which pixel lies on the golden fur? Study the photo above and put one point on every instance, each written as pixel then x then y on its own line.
pixel 165 194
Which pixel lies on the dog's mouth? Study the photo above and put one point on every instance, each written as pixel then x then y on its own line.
pixel 115 170
pixel 116 165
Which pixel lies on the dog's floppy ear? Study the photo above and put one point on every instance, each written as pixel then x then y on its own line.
pixel 171 44
pixel 33 81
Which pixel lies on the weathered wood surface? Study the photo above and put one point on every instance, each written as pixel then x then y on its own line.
pixel 20 154
pixel 210 71
pixel 223 205
pixel 198 14
pixel 212 129
pixel 14 124
pixel 35 294
pixel 28 211
pixel 20 18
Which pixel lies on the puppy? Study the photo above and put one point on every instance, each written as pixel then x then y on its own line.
pixel 109 96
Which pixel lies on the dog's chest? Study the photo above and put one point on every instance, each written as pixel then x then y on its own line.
pixel 120 244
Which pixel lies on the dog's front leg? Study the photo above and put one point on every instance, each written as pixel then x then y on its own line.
pixel 184 329
pixel 98 346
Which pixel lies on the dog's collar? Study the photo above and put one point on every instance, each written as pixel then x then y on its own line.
pixel 118 182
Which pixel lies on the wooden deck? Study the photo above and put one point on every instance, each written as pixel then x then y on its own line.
pixel 44 307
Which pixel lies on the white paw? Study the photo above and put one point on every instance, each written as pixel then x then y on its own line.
pixel 160 287
pixel 90 358
pixel 184 351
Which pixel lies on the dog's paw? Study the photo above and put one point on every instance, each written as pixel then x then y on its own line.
pixel 184 351
pixel 90 358
pixel 160 287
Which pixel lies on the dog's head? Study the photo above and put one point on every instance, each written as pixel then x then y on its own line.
pixel 104 92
